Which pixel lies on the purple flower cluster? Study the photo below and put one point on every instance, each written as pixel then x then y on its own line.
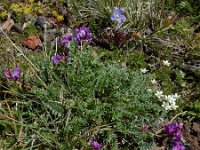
pixel 118 15
pixel 57 58
pixel 83 34
pixel 174 130
pixel 177 137
pixel 96 145
pixel 12 74
pixel 66 41
pixel 178 146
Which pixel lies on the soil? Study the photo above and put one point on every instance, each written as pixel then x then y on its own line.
pixel 191 134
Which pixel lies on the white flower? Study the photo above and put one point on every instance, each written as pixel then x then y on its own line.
pixel 166 63
pixel 170 98
pixel 144 70
pixel 169 106
pixel 182 74
pixel 153 81
pixel 168 101
pixel 174 106
pixel 176 96
pixel 159 94
pixel 149 90
pixel 183 84
pixel 166 106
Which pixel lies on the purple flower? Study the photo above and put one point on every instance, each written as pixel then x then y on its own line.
pixel 96 145
pixel 173 128
pixel 177 136
pixel 66 41
pixel 118 15
pixel 7 73
pixel 178 146
pixel 83 34
pixel 57 58
pixel 13 74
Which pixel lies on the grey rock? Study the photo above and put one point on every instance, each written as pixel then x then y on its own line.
pixel 50 35
pixel 17 27
pixel 41 21
pixel 28 17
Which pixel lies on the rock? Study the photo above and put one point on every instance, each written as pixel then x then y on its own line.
pixel 41 21
pixel 51 34
pixel 50 37
pixel 28 17
pixel 7 25
pixel 31 42
pixel 17 27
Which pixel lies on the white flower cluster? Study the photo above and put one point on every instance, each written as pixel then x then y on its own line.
pixel 166 63
pixel 153 81
pixel 144 70
pixel 169 101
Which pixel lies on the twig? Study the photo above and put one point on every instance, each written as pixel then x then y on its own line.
pixel 93 129
pixel 179 114
pixel 45 39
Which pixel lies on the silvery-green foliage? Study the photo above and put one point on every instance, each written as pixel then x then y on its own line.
pixel 85 94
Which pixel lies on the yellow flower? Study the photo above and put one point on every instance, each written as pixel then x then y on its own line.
pixel 31 1
pixel 40 11
pixel 60 18
pixel 55 13
pixel 3 14
pixel 12 6
pixel 27 10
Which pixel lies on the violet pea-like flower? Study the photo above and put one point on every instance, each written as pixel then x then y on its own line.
pixel 57 58
pixel 173 127
pixel 96 145
pixel 15 73
pixel 118 15
pixel 83 34
pixel 7 73
pixel 66 41
pixel 178 146
pixel 12 74
pixel 177 136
